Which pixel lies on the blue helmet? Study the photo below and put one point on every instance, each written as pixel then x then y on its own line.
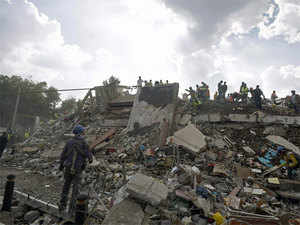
pixel 78 129
pixel 280 148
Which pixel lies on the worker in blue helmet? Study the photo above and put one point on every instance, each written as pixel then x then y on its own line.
pixel 73 162
pixel 290 159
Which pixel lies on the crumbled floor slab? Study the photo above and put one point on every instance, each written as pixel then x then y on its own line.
pixel 190 138
pixel 126 212
pixel 147 189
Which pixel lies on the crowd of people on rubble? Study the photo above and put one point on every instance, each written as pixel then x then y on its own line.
pixel 149 83
pixel 201 94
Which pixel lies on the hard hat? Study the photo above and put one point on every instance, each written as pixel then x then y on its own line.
pixel 280 148
pixel 78 129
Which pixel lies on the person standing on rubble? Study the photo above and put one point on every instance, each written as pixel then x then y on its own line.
pixel 73 162
pixel 291 161
pixel 257 97
pixel 274 97
pixel 220 84
pixel 3 143
pixel 140 82
pixel 244 92
pixel 224 90
pixel 294 101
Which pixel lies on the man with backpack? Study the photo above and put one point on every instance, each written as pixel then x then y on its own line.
pixel 73 162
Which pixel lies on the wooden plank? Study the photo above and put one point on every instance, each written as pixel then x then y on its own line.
pixel 101 139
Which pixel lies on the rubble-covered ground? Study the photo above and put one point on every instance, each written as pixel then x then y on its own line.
pixel 222 182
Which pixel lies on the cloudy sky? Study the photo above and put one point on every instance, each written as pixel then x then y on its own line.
pixel 79 43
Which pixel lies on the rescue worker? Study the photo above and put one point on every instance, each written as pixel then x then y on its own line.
pixel 26 134
pixel 205 90
pixel 294 101
pixel 257 97
pixel 161 83
pixel 220 84
pixel 3 143
pixel 139 82
pixel 290 159
pixel 274 97
pixel 244 92
pixel 73 162
pixel 224 90
pixel 215 96
pixel 156 84
pixel 198 91
pixel 167 82
pixel 150 83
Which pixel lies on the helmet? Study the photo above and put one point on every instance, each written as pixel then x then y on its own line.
pixel 280 149
pixel 78 129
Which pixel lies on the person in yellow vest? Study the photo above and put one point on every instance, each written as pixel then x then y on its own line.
pixel 244 93
pixel 290 159
pixel 215 96
pixel 27 134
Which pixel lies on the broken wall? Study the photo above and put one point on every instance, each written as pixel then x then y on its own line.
pixel 152 104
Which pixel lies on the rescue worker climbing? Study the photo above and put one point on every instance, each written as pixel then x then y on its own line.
pixel 73 162
pixel 194 101
pixel 290 159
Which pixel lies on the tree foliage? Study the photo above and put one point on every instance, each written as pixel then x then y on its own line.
pixel 68 105
pixel 36 99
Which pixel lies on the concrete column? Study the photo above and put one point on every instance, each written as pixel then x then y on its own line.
pixel 8 194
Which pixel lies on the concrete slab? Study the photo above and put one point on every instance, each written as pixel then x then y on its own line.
pixel 190 138
pixel 152 104
pixel 147 189
pixel 258 117
pixel 283 142
pixel 126 212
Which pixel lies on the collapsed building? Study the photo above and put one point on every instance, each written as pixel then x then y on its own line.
pixel 212 167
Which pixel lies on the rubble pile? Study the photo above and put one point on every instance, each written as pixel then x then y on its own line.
pixel 206 173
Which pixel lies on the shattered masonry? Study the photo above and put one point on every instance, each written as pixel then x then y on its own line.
pixel 216 166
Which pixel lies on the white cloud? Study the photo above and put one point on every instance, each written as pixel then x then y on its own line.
pixel 286 21
pixel 283 79
pixel 122 45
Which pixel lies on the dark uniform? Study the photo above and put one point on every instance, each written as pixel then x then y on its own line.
pixel 3 143
pixel 73 160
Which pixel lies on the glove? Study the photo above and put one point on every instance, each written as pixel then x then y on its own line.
pixel 61 167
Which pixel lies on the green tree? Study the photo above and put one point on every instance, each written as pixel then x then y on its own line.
pixel 68 105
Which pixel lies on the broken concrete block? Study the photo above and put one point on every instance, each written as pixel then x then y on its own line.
pixel 249 150
pixel 153 104
pixel 30 150
pixel 283 142
pixel 203 204
pixel 190 138
pixel 126 213
pixel 185 119
pixel 147 189
pixel 219 169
